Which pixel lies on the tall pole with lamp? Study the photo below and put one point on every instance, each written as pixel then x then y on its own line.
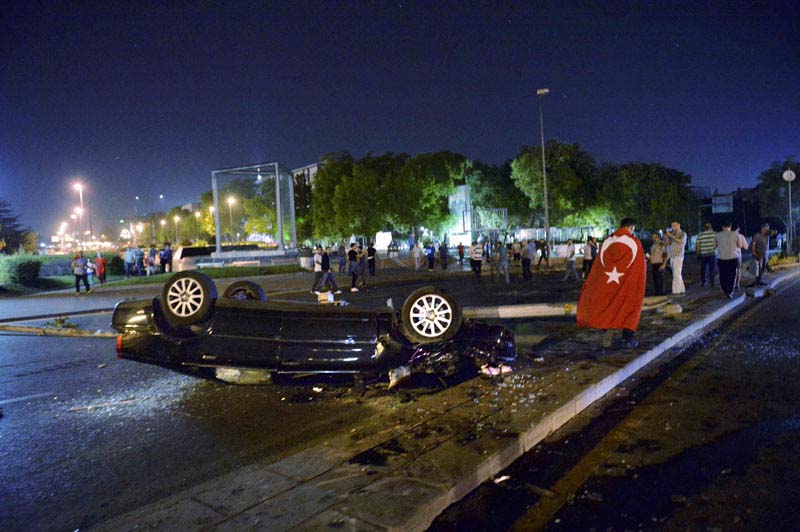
pixel 177 219
pixel 79 188
pixel 231 201
pixel 539 94
pixel 789 176
pixel 196 227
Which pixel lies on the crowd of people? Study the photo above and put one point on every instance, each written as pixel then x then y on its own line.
pixel 139 262
pixel 355 261
pixel 90 270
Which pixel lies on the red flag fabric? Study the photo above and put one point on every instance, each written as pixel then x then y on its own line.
pixel 612 296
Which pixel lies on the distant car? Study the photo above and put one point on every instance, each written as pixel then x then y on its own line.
pixel 189 329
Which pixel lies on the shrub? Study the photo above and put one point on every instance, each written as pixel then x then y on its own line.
pixel 26 273
pixel 116 266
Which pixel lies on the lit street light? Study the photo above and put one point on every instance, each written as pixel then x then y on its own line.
pixel 196 227
pixel 177 219
pixel 231 201
pixel 79 188
pixel 540 93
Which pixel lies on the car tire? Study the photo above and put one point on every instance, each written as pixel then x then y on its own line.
pixel 245 290
pixel 430 315
pixel 188 297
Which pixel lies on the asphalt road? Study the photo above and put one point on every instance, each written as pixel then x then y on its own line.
pixel 709 441
pixel 85 436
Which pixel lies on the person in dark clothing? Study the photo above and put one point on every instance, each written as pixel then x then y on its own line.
pixel 166 258
pixel 430 251
pixel 327 274
pixel 352 258
pixel 371 258
pixel 443 255
pixel 362 266
pixel 460 250
pixel 545 254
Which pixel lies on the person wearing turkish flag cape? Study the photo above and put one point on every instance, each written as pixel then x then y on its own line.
pixel 613 294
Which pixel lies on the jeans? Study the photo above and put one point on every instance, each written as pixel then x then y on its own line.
pixel 677 275
pixel 708 267
pixel 658 278
pixel 572 270
pixel 526 269
pixel 327 277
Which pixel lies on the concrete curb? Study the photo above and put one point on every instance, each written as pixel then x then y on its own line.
pixel 54 331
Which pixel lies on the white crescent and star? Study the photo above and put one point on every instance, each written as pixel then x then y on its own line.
pixel 613 276
pixel 624 239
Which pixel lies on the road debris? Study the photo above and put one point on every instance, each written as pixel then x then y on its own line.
pixel 501 479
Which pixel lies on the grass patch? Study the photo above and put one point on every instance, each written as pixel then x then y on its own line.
pixel 40 285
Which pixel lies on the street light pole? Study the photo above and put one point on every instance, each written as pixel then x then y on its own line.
pixel 539 94
pixel 177 219
pixel 196 227
pixel 79 188
pixel 789 176
pixel 230 217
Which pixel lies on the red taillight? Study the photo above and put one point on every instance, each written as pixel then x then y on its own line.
pixel 119 344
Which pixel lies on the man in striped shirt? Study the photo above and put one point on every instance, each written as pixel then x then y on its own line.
pixel 706 247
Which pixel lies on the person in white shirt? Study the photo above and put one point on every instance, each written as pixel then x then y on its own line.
pixel 676 238
pixel 742 246
pixel 317 269
pixel 571 262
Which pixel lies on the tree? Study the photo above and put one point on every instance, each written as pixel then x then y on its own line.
pixel 335 168
pixel 492 187
pixel 302 209
pixel 773 192
pixel 10 231
pixel 30 242
pixel 651 193
pixel 572 181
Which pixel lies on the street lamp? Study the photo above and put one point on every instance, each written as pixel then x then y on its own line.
pixel 539 94
pixel 163 223
pixel 177 219
pixel 79 188
pixel 230 202
pixel 196 227
pixel 789 176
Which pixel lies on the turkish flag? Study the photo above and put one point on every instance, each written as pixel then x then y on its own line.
pixel 612 296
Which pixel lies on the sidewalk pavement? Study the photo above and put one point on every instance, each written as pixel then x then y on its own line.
pixel 400 469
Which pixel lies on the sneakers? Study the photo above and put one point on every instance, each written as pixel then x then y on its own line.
pixel 630 343
pixel 354 289
pixel 338 292
pixel 89 291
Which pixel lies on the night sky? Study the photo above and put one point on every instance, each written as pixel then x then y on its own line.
pixel 148 99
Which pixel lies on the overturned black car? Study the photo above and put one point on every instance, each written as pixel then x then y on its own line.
pixel 190 329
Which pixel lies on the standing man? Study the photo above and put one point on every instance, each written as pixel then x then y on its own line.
pixel 502 260
pixel 129 262
pixel 526 261
pixel 727 244
pixel 371 257
pixel 101 264
pixel 658 261
pixel 545 253
pixel 476 258
pixel 742 247
pixel 460 250
pixel 416 252
pixel 342 253
pixel 362 266
pixel 676 239
pixel 705 247
pixel 78 266
pixel 612 296
pixel 515 250
pixel 166 258
pixel 589 250
pixel 443 255
pixel 761 252
pixel 430 252
pixel 327 274
pixel 571 262
pixel 352 265
pixel 317 269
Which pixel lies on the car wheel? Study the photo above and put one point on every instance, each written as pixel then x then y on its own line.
pixel 245 290
pixel 188 297
pixel 430 315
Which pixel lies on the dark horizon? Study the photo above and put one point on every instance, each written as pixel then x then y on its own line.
pixel 150 99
